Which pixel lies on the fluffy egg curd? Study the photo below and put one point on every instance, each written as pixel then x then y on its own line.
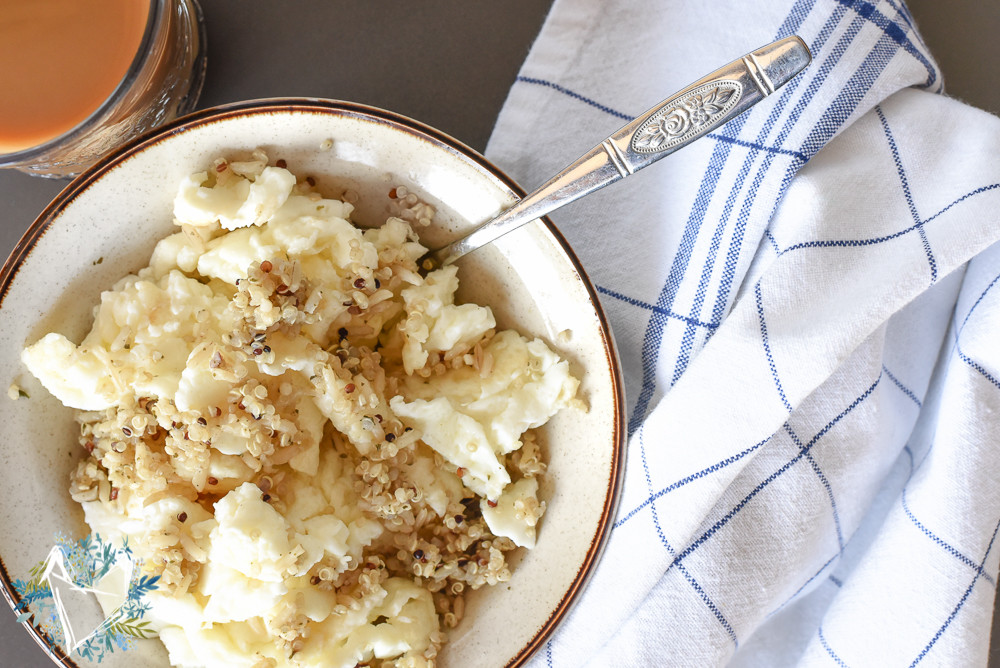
pixel 315 448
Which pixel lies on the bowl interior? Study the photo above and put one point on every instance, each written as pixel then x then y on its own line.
pixel 105 225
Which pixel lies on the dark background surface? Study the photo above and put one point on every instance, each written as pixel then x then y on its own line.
pixel 446 63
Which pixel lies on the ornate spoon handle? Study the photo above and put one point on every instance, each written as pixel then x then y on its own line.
pixel 681 119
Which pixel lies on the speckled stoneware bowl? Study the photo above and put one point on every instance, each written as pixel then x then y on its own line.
pixel 105 224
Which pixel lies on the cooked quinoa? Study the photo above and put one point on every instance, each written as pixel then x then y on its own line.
pixel 313 446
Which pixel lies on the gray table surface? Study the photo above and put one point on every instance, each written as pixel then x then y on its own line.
pixel 447 63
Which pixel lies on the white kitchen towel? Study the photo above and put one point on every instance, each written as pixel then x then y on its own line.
pixel 812 362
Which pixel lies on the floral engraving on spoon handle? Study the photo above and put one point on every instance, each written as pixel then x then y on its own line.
pixel 685 117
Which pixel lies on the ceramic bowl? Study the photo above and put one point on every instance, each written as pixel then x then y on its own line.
pixel 105 224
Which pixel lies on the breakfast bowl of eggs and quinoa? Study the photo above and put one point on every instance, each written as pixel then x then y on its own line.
pixel 226 366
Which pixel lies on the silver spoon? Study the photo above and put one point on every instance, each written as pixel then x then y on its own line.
pixel 681 119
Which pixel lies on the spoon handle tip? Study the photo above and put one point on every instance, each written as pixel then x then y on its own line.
pixel 681 119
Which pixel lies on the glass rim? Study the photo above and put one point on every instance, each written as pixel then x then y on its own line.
pixel 142 55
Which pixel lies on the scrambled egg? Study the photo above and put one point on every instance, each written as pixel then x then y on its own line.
pixel 316 448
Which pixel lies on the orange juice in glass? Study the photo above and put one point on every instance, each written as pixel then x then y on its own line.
pixel 80 77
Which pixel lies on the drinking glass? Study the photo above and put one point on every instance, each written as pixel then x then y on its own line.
pixel 162 82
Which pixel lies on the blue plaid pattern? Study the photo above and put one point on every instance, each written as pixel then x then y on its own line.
pixel 811 383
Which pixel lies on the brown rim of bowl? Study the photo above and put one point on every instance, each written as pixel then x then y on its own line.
pixel 324 106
